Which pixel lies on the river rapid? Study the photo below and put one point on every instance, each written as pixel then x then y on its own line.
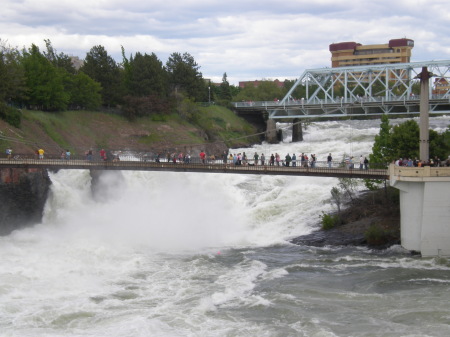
pixel 188 254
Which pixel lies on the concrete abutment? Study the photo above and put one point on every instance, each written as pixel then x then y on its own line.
pixel 424 208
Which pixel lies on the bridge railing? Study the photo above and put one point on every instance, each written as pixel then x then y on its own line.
pixel 195 164
pixel 338 100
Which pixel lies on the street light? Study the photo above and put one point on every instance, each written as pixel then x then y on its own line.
pixel 209 95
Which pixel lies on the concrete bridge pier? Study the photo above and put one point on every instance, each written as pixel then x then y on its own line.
pixel 271 132
pixel 297 131
pixel 424 208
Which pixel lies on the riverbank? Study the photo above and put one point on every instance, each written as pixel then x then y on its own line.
pixel 372 219
pixel 214 131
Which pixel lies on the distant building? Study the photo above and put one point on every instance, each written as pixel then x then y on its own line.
pixel 243 84
pixel 345 54
pixel 76 62
pixel 441 86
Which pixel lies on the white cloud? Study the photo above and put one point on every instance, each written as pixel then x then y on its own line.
pixel 246 39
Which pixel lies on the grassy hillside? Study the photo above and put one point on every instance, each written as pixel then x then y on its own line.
pixel 213 128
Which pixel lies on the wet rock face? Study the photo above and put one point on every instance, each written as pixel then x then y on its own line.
pixel 23 193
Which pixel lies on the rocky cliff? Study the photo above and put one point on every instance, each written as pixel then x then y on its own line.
pixel 23 193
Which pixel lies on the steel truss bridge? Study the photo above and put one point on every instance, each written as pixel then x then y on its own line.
pixel 359 91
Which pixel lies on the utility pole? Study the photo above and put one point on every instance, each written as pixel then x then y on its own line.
pixel 424 126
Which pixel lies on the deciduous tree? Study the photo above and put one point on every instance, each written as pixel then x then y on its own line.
pixel 45 86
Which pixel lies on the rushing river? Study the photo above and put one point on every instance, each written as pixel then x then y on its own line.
pixel 178 254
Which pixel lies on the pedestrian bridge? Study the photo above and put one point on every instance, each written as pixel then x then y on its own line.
pixel 133 163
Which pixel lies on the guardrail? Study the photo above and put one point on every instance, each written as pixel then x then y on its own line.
pixel 143 163
pixel 339 100
pixel 402 172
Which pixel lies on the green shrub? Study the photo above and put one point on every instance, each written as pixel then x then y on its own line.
pixel 11 115
pixel 376 235
pixel 329 221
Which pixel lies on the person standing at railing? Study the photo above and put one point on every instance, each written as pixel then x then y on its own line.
pixel 294 160
pixel 41 153
pixel 202 157
pixel 89 154
pixel 224 157
pixel 313 160
pixel 272 160
pixel 277 159
pixel 67 154
pixel 255 158
pixel 9 153
pixel 103 154
pixel 329 160
pixel 287 159
pixel 361 162
pixel 366 163
pixel 263 159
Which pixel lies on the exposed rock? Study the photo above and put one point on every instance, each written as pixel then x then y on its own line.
pixel 23 194
pixel 370 209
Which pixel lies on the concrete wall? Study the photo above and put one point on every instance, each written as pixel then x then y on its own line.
pixel 424 209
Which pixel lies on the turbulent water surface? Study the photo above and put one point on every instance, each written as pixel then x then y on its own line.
pixel 171 254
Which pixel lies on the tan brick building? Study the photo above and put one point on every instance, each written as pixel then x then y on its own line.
pixel 344 54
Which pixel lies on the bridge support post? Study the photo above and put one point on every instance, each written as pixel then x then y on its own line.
pixel 271 132
pixel 424 208
pixel 297 131
pixel 424 147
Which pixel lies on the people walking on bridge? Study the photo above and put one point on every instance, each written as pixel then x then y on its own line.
pixel 277 159
pixel 67 154
pixel 263 159
pixel 329 160
pixel 294 160
pixel 41 153
pixel 287 160
pixel 272 160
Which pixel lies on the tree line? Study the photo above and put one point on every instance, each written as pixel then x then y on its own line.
pixel 140 85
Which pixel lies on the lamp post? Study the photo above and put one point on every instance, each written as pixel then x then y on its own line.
pixel 209 95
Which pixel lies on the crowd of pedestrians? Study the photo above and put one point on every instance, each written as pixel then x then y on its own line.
pixel 275 159
pixel 433 162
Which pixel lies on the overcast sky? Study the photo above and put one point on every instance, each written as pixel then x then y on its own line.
pixel 247 39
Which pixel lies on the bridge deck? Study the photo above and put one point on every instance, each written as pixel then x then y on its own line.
pixel 338 170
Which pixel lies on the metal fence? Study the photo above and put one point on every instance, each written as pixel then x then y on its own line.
pixel 145 163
